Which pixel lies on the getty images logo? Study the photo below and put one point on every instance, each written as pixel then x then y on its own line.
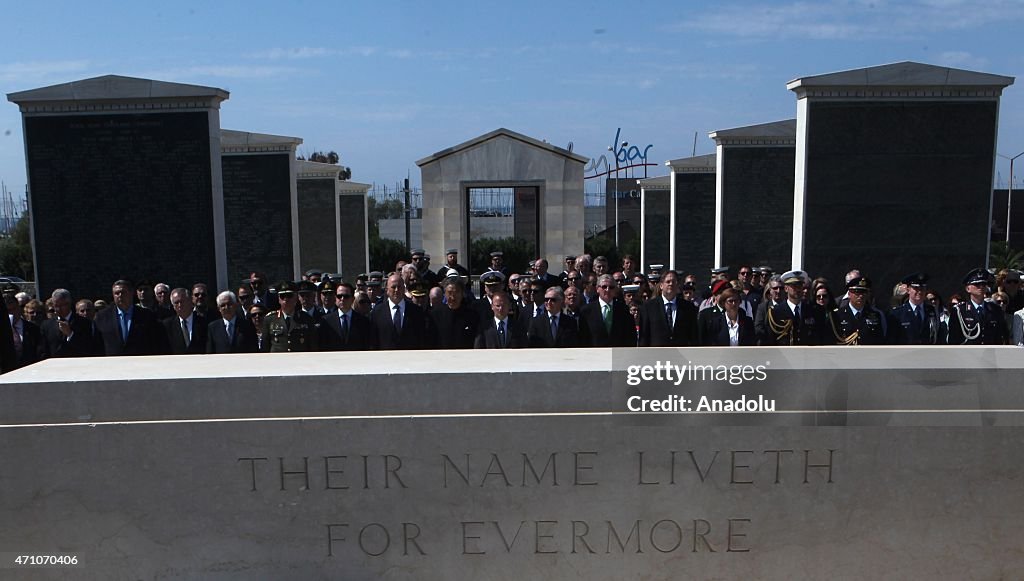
pixel 666 372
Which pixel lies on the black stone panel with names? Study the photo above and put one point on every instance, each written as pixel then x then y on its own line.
pixel 318 234
pixel 121 195
pixel 257 215
pixel 695 223
pixel 656 225
pixel 758 206
pixel 899 187
pixel 352 209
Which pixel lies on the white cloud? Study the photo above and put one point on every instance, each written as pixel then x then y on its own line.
pixel 303 52
pixel 850 19
pixel 962 60
pixel 219 72
pixel 40 71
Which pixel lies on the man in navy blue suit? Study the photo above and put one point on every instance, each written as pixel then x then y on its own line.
pixel 127 330
pixel 657 312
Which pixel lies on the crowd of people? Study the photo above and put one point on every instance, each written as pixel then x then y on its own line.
pixel 589 304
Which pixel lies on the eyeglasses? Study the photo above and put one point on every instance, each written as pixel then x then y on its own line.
pixel 572 278
pixel 199 295
pixel 775 288
pixel 552 299
pixel 529 290
pixel 744 272
pixel 822 297
pixel 256 315
pixel 344 296
pixel 605 286
pixel 1000 303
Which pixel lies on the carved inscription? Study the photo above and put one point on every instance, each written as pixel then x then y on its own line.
pixel 456 475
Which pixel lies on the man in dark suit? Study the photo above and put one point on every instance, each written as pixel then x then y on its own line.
pixel 186 331
pixel 543 276
pixel 343 329
pixel 553 329
pixel 794 321
pixel 915 322
pixel 67 334
pixel 502 331
pixel 606 322
pixel 25 335
pixel 657 312
pixel 397 323
pixel 231 332
pixel 533 305
pixel 127 330
pixel 455 321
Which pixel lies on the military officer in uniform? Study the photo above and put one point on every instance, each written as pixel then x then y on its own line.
pixel 794 321
pixel 915 322
pixel 977 321
pixel 290 328
pixel 858 322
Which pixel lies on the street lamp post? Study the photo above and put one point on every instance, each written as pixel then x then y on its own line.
pixel 1009 194
pixel 615 153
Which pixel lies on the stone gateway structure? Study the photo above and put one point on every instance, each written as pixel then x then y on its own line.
pixel 548 184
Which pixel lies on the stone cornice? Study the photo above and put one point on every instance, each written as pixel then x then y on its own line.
pixel 168 105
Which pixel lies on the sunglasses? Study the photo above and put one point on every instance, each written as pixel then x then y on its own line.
pixel 198 295
pixel 552 299
pixel 257 315
pixel 606 286
pixel 344 296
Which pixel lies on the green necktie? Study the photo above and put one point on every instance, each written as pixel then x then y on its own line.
pixel 607 316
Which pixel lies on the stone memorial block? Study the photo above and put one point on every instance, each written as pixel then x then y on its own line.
pixel 333 231
pixel 655 222
pixel 754 194
pixel 763 463
pixel 503 159
pixel 259 197
pixel 317 215
pixel 353 230
pixel 124 180
pixel 894 172
pixel 693 227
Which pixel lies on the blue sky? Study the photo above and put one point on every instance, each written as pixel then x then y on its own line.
pixel 387 83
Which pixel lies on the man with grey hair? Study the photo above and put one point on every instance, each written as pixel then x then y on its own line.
pixel 186 331
pixel 605 321
pixel 67 334
pixel 230 333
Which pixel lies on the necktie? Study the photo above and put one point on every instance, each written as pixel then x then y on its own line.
pixel 231 331
pixel 124 326
pixel 668 314
pixel 344 328
pixel 501 334
pixel 554 327
pixel 607 316
pixel 184 332
pixel 397 319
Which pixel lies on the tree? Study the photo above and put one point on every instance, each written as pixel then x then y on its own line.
pixel 16 251
pixel 1002 256
pixel 517 253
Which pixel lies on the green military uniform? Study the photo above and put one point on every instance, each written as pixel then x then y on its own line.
pixel 294 333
